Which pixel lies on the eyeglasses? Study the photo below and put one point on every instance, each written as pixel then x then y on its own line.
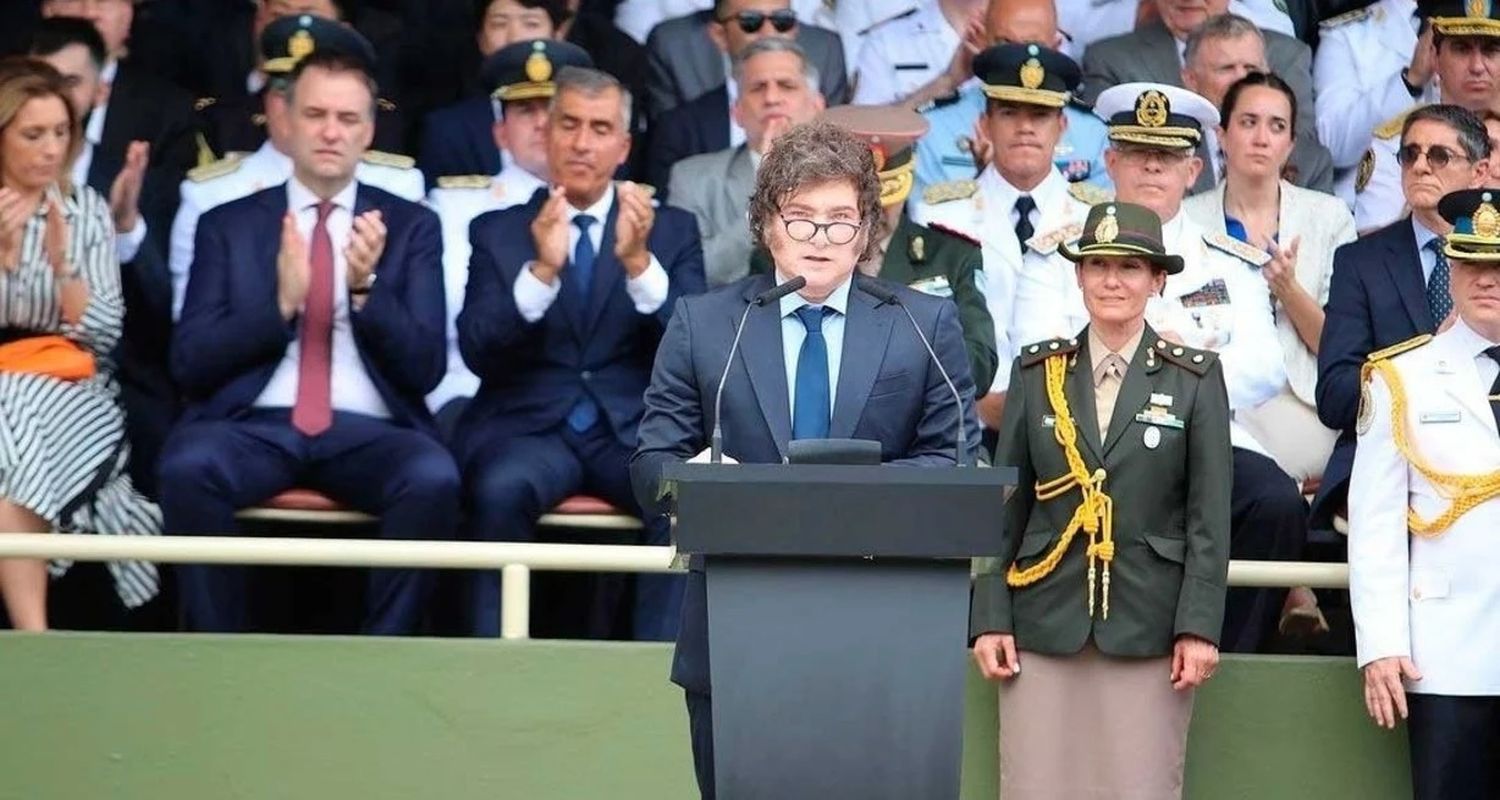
pixel 837 233
pixel 782 20
pixel 1438 156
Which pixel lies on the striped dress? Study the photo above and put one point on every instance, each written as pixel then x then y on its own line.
pixel 62 444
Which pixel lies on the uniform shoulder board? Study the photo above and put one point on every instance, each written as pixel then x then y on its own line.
pixel 204 102
pixel 1402 347
pixel 1392 126
pixel 1225 243
pixel 381 158
pixel 1090 194
pixel 1345 18
pixel 955 233
pixel 223 166
pixel 385 105
pixel 465 181
pixel 1191 359
pixel 1033 354
pixel 1046 243
pixel 877 23
pixel 945 191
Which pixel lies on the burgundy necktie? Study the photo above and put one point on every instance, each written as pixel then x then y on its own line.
pixel 313 412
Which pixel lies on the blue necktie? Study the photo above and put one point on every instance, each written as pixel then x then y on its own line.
pixel 812 409
pixel 1439 301
pixel 584 413
pixel 1494 353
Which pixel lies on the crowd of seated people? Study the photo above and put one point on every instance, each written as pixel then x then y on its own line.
pixel 418 256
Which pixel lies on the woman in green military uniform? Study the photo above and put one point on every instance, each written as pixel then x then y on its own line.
pixel 1111 592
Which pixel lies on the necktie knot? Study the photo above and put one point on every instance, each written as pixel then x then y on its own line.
pixel 1025 205
pixel 584 222
pixel 1024 229
pixel 1493 353
pixel 324 207
pixel 812 317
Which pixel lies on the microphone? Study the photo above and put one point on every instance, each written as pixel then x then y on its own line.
pixel 771 295
pixel 886 295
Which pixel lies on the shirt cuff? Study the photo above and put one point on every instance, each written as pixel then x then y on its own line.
pixel 128 244
pixel 649 289
pixel 533 297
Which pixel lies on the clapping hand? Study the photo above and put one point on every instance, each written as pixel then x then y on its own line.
pixel 366 245
pixel 125 192
pixel 13 214
pixel 549 235
pixel 293 272
pixel 633 227
pixel 73 293
pixel 1281 271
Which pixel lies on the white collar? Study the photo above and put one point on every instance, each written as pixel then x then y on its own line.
pixel 599 210
pixel 1003 195
pixel 838 300
pixel 1466 340
pixel 299 197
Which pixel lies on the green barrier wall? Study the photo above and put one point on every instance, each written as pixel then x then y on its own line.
pixel 136 716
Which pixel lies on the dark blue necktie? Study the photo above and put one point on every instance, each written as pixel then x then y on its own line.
pixel 1024 229
pixel 584 413
pixel 1494 353
pixel 812 409
pixel 1439 301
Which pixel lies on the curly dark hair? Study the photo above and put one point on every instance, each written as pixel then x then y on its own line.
pixel 812 154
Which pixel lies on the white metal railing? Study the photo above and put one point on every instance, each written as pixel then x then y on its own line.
pixel 516 561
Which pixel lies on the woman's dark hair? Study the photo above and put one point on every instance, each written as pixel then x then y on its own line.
pixel 557 10
pixel 1267 79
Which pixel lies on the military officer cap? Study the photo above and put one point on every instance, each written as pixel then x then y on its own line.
pixel 1463 17
pixel 527 70
pixel 1123 229
pixel 891 133
pixel 1475 214
pixel 1027 73
pixel 288 40
pixel 1156 115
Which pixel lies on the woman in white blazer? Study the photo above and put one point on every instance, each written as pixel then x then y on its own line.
pixel 1297 230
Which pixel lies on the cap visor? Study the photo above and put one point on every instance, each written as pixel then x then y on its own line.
pixel 1172 264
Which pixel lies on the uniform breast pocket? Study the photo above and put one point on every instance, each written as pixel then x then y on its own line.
pixel 1429 584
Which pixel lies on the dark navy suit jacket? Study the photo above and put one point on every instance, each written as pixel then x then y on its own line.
pixel 1377 298
pixel 459 140
pixel 231 335
pixel 697 126
pixel 533 373
pixel 888 391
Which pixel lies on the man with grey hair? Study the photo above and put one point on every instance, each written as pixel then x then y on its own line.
pixel 1220 52
pixel 567 298
pixel 778 89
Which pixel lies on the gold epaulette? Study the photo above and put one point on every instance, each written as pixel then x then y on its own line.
pixel 204 102
pixel 1089 193
pixel 1191 359
pixel 1046 243
pixel 465 181
pixel 1225 243
pixel 216 169
pixel 385 105
pixel 1345 18
pixel 1392 126
pixel 945 191
pixel 1041 351
pixel 1400 347
pixel 381 158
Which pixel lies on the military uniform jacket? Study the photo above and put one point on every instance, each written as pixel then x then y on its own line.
pixel 1432 599
pixel 1171 505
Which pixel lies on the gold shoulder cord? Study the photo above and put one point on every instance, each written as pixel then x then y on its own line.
pixel 1095 514
pixel 1463 491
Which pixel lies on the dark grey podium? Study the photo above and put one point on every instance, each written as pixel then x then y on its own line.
pixel 838 600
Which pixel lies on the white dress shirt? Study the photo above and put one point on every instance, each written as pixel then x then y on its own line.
pixel 351 387
pixel 794 333
pixel 648 290
pixel 1428 255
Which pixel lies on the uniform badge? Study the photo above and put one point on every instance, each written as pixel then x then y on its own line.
pixel 1107 229
pixel 538 66
pixel 300 46
pixel 1440 417
pixel 1163 400
pixel 917 250
pixel 1032 73
pixel 1152 437
pixel 1366 411
pixel 1152 109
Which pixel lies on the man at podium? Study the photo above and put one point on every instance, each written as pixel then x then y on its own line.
pixel 837 358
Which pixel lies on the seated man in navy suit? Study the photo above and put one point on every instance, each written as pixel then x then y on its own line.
pixel 1392 285
pixel 567 298
pixel 312 328
pixel 830 360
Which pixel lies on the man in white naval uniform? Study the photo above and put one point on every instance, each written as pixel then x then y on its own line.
pixel 1424 510
pixel 1218 302
pixel 241 175
pixel 1020 192
pixel 522 95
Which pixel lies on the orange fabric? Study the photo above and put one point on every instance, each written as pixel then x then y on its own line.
pixel 53 356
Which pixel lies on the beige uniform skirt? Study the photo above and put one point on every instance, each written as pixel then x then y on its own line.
pixel 1092 727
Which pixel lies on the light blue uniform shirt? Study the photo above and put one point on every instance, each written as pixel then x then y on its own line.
pixel 793 333
pixel 1429 258
pixel 1079 156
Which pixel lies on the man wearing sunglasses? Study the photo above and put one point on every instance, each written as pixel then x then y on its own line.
pixel 1392 285
pixel 1466 61
pixel 689 57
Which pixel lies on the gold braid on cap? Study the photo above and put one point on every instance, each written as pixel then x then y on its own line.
pixel 1463 491
pixel 1175 138
pixel 1095 514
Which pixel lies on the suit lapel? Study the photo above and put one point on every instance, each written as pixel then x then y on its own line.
pixel 1078 387
pixel 866 332
pixel 1160 55
pixel 761 350
pixel 1133 392
pixel 1406 271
